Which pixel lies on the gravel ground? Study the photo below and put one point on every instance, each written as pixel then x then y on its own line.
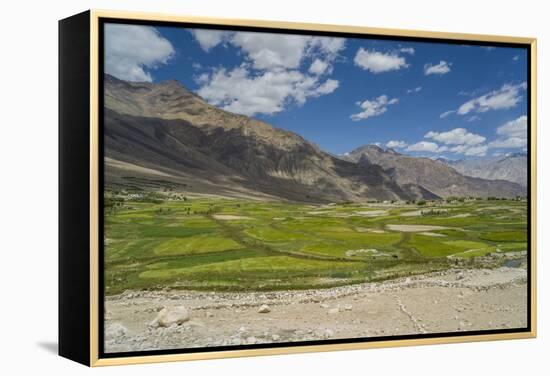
pixel 454 300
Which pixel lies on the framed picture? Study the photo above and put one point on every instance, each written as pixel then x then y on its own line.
pixel 237 187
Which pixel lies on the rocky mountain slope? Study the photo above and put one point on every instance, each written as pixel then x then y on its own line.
pixel 164 135
pixel 436 177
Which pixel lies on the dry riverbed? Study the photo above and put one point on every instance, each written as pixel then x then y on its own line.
pixel 454 300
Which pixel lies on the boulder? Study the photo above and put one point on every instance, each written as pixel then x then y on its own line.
pixel 264 309
pixel 169 316
pixel 115 330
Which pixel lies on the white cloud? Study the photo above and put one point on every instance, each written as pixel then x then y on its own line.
pixel 378 62
pixel 209 39
pixel 270 78
pixel 469 150
pixel 446 114
pixel 457 136
pixel 473 118
pixel 442 68
pixel 201 78
pixel 427 146
pixel 268 51
pixel 244 92
pixel 318 67
pixel 514 128
pixel 131 51
pixel 373 107
pixel 415 90
pixel 507 96
pixel 513 134
pixel 396 144
pixel 508 143
pixel 407 50
pixel 329 46
pixel 460 141
pixel 327 87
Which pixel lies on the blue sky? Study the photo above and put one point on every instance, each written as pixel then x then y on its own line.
pixel 425 99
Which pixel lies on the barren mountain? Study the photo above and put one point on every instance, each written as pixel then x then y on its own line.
pixel 436 177
pixel 164 135
pixel 511 167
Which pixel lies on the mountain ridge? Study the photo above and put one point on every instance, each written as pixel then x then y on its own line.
pixel 435 176
pixel 200 148
pixel 512 167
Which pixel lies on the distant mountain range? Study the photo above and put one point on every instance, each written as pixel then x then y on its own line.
pixel 163 135
pixel 511 167
pixel 438 178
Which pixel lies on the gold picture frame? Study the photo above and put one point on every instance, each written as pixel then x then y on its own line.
pixel 88 25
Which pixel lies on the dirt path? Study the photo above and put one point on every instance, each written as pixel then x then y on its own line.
pixel 455 300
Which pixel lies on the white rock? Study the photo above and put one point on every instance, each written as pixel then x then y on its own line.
pixel 172 315
pixel 275 337
pixel 348 307
pixel 328 333
pixel 251 340
pixel 333 311
pixel 209 314
pixel 115 330
pixel 264 309
pixel 324 305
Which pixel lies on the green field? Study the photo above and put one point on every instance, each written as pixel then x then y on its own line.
pixel 225 244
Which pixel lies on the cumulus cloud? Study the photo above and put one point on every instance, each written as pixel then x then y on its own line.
pixel 272 74
pixel 508 143
pixel 244 92
pixel 318 67
pixel 457 136
pixel 209 39
pixel 373 107
pixel 131 51
pixel 426 146
pixel 476 150
pixel 507 96
pixel 460 141
pixel 442 68
pixel 396 144
pixel 514 128
pixel 327 87
pixel 269 51
pixel 512 134
pixel 378 62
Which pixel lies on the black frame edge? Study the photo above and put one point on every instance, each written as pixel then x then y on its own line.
pixel 74 188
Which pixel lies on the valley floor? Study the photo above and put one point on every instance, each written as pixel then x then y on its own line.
pixel 449 301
